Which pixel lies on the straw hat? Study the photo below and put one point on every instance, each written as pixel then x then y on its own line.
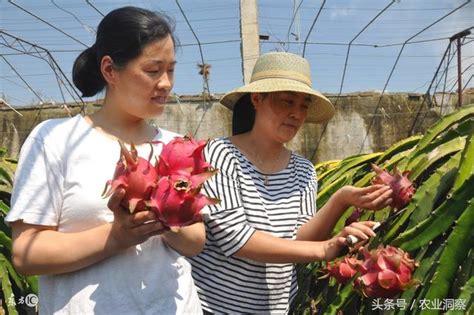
pixel 281 71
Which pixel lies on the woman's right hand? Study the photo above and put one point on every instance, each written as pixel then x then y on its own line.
pixel 362 230
pixel 129 229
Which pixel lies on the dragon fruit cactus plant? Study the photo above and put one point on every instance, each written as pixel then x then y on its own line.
pixel 171 187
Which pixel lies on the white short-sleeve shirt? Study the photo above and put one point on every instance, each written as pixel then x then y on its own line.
pixel 63 167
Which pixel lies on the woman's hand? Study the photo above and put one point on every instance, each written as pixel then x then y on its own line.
pixel 130 229
pixel 361 230
pixel 374 197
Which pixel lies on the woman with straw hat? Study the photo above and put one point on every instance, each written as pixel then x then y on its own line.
pixel 266 220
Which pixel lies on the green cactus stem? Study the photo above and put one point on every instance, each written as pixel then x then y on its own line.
pixel 427 258
pixel 346 294
pixel 421 164
pixel 467 296
pixel 459 242
pixel 434 188
pixel 350 164
pixel 7 290
pixel 444 124
pixel 439 221
pixel 466 168
pixel 401 146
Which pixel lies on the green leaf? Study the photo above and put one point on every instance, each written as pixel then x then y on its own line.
pixel 467 296
pixel 438 222
pixel 400 146
pixel 459 242
pixel 443 124
pixel 418 166
pixel 7 288
pixel 349 164
pixel 343 298
pixel 466 168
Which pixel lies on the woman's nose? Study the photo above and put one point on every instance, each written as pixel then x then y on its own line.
pixel 165 82
pixel 299 112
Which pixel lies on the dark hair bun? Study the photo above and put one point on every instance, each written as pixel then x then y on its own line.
pixel 86 73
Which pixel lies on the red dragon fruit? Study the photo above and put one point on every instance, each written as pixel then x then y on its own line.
pixel 402 187
pixel 344 269
pixel 136 175
pixel 385 272
pixel 183 155
pixel 171 188
pixel 177 201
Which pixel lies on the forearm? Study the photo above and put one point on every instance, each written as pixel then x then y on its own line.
pixel 188 241
pixel 267 248
pixel 322 224
pixel 41 252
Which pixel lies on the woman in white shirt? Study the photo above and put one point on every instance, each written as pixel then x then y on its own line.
pixel 92 254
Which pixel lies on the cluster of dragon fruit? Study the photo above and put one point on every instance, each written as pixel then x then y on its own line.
pixel 386 271
pixel 170 187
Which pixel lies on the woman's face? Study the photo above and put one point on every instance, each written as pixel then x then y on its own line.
pixel 143 86
pixel 282 113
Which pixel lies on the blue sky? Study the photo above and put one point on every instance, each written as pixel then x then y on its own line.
pixel 216 24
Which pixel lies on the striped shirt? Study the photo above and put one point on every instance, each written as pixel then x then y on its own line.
pixel 228 284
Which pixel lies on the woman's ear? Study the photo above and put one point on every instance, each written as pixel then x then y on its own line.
pixel 108 70
pixel 256 99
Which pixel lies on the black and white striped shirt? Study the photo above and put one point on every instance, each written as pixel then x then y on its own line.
pixel 228 284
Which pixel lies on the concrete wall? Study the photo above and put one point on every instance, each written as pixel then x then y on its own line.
pixel 362 123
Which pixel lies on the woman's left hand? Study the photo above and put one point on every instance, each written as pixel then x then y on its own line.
pixel 374 197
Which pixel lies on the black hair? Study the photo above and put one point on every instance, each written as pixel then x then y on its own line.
pixel 243 116
pixel 122 34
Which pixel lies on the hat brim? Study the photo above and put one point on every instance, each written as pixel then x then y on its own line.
pixel 320 110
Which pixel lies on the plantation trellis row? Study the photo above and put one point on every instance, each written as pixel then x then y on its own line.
pixel 435 227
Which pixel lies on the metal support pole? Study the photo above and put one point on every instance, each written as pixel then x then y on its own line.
pixel 457 37
pixel 458 40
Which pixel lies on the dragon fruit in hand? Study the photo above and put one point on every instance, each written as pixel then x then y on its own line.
pixel 171 188
pixel 136 175
pixel 183 155
pixel 177 201
pixel 402 187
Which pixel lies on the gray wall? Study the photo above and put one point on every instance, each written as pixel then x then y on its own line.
pixel 360 125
